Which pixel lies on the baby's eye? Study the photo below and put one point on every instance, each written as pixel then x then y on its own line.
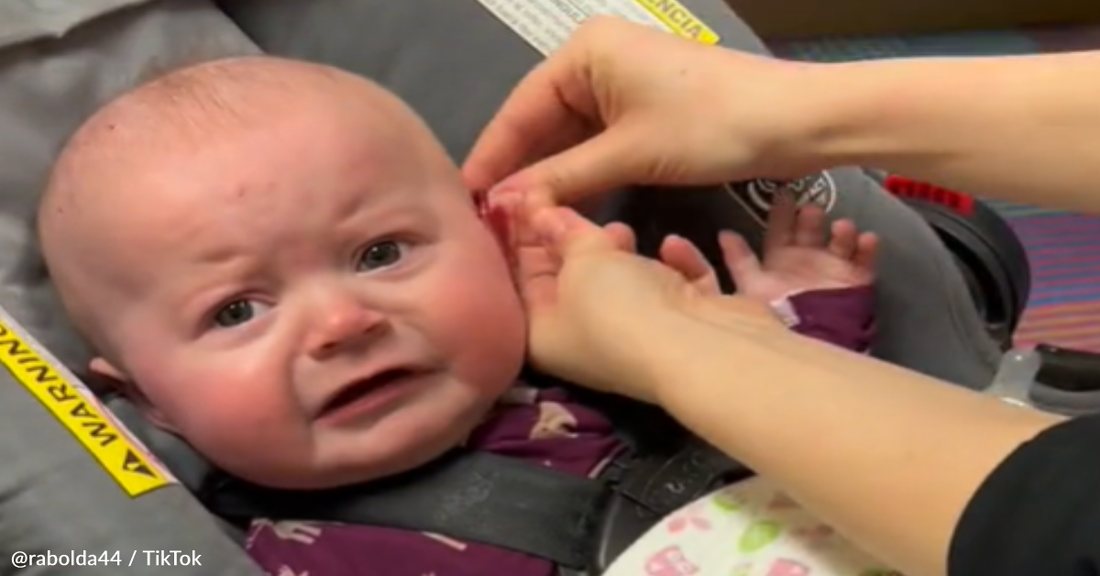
pixel 380 255
pixel 237 312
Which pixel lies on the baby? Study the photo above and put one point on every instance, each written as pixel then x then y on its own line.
pixel 278 262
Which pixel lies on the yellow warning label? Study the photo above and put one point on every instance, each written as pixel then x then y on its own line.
pixel 116 453
pixel 680 20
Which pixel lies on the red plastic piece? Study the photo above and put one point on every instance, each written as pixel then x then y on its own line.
pixel 962 204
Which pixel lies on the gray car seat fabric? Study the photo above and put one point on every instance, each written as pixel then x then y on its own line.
pixel 59 60
pixel 454 62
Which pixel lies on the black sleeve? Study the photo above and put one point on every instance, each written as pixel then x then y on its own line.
pixel 1038 513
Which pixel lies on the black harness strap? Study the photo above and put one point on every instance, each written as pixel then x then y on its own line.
pixel 580 524
pixel 473 496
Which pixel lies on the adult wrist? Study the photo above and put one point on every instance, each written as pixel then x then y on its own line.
pixel 680 342
pixel 838 106
pixel 830 115
pixel 886 114
pixel 649 350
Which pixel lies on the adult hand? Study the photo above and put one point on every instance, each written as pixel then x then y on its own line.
pixel 589 296
pixel 623 104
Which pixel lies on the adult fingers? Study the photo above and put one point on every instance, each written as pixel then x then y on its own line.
pixel 551 108
pixel 609 159
pixel 537 274
pixel 567 234
pixel 684 256
pixel 623 236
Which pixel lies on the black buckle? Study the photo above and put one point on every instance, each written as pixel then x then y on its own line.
pixel 664 483
pixel 648 488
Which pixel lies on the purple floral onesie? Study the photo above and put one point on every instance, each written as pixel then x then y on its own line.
pixel 541 426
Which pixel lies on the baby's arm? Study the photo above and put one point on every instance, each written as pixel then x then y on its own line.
pixel 841 316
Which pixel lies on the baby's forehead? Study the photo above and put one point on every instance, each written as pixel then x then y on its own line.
pixel 196 107
pixel 199 131
pixel 258 107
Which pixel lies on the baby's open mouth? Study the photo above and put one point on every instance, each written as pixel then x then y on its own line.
pixel 369 396
pixel 361 389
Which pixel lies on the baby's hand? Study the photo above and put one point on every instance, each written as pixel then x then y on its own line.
pixel 797 257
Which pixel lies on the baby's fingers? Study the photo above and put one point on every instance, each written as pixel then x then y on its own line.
pixel 683 256
pixel 844 237
pixel 866 252
pixel 781 222
pixel 809 228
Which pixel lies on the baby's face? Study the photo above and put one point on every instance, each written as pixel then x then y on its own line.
pixel 312 302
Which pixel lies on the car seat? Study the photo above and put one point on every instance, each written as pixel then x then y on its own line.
pixel 120 491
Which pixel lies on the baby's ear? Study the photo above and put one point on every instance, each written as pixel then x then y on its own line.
pixel 101 367
pixel 106 373
pixel 499 222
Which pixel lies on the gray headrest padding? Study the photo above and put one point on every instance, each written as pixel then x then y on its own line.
pixel 59 61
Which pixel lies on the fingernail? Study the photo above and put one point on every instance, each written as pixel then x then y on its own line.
pixel 502 191
pixel 549 224
pixel 508 203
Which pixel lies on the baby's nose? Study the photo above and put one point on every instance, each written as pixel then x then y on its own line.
pixel 344 323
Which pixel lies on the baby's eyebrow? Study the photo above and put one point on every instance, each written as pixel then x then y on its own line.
pixel 199 293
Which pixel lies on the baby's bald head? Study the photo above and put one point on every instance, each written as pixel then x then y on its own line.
pixel 185 108
pixel 104 189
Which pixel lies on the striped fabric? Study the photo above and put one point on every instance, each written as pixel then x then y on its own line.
pixel 1063 248
pixel 1064 251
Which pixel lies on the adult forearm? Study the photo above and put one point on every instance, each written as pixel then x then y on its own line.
pixel 887 456
pixel 1015 128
